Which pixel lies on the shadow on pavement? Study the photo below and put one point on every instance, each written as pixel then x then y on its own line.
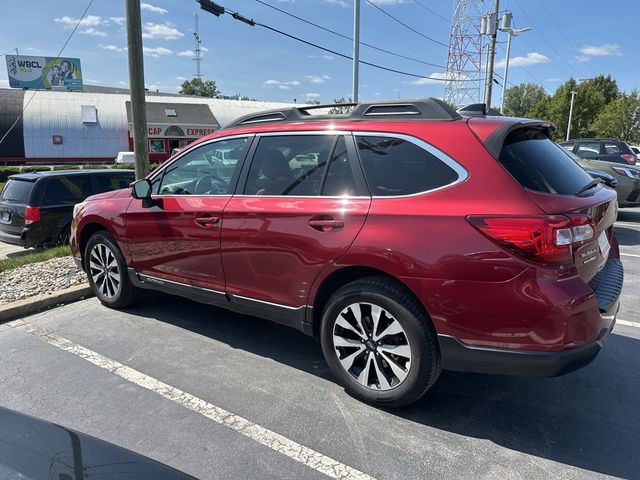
pixel 627 235
pixel 629 215
pixel 588 419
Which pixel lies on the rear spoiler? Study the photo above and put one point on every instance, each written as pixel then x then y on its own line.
pixel 495 141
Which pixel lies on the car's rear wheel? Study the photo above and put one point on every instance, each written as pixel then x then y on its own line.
pixel 379 343
pixel 65 235
pixel 107 272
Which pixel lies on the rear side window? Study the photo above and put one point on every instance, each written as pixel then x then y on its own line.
pixel 588 149
pixel 540 165
pixel 17 191
pixel 71 189
pixel 106 183
pixel 394 166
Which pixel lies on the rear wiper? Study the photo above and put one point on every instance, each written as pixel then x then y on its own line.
pixel 593 183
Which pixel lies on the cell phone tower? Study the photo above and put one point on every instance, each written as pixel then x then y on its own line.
pixel 198 56
pixel 464 63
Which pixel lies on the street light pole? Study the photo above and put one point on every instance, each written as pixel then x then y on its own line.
pixel 510 34
pixel 573 94
pixel 356 49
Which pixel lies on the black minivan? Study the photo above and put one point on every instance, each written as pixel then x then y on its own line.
pixel 36 208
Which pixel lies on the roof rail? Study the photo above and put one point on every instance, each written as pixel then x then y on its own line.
pixel 477 109
pixel 422 109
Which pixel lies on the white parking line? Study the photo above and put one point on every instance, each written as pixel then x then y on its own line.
pixel 629 254
pixel 627 323
pixel 306 456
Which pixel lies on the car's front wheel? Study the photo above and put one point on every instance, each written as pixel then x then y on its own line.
pixel 107 272
pixel 379 343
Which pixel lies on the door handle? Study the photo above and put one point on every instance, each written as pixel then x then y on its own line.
pixel 325 224
pixel 207 222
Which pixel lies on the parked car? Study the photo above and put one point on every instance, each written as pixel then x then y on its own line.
pixel 36 449
pixel 36 208
pixel 627 178
pixel 411 239
pixel 636 151
pixel 125 158
pixel 604 149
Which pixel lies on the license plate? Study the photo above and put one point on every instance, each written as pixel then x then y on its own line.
pixel 603 243
pixel 5 217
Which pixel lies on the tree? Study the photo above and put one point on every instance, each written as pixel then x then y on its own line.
pixel 620 119
pixel 520 99
pixel 592 96
pixel 339 110
pixel 199 88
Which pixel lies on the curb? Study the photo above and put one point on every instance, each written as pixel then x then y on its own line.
pixel 36 303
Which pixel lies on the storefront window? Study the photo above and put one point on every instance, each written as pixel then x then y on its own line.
pixel 156 146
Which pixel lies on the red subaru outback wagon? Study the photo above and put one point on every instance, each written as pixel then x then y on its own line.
pixel 405 237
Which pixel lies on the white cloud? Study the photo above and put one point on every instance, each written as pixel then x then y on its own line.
pixel 88 21
pixel 553 80
pixel 312 95
pixel 324 56
pixel 286 85
pixel 153 8
pixel 427 81
pixel 182 79
pixel 204 49
pixel 186 53
pixel 122 82
pixel 377 94
pixel 531 58
pixel 341 3
pixel 163 31
pixel 113 48
pixel 117 20
pixel 93 31
pixel 318 79
pixel 605 50
pixel 156 52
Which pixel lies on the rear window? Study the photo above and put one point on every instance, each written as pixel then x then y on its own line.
pixel 540 165
pixel 17 191
pixel 394 166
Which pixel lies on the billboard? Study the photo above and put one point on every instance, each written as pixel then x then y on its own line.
pixel 44 72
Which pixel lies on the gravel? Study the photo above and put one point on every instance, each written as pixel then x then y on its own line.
pixel 39 278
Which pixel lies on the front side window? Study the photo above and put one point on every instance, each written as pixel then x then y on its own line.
pixel 393 166
pixel 289 165
pixel 205 170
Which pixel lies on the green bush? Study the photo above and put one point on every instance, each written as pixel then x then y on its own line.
pixel 5 172
pixel 67 167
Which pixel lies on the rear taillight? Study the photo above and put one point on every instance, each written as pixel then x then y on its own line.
pixel 31 215
pixel 630 159
pixel 547 239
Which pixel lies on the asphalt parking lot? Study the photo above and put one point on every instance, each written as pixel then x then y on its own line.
pixel 220 395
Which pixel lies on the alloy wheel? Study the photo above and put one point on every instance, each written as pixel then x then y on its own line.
pixel 372 346
pixel 104 270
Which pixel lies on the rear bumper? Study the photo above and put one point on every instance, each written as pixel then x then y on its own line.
pixel 12 239
pixel 459 357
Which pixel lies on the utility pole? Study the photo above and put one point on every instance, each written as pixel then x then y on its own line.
pixel 356 48
pixel 493 31
pixel 198 58
pixel 573 95
pixel 511 32
pixel 136 86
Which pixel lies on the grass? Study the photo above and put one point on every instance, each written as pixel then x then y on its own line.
pixel 35 257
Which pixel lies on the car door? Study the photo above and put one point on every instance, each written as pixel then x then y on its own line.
pixel 302 200
pixel 177 238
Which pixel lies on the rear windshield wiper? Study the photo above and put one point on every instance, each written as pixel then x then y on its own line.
pixel 593 183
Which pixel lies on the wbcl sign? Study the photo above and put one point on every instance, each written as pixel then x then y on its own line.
pixel 44 72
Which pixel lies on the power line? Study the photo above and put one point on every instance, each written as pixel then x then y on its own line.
pixel 41 80
pixel 346 37
pixel 563 34
pixel 448 20
pixel 252 23
pixel 405 25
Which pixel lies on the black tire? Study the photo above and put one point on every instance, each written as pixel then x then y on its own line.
pixel 64 237
pixel 126 294
pixel 424 365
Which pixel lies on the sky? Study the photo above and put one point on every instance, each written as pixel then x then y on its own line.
pixel 569 38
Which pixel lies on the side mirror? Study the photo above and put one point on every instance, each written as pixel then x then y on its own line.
pixel 141 190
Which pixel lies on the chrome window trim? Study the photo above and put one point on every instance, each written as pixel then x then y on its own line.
pixel 439 154
pixel 152 177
